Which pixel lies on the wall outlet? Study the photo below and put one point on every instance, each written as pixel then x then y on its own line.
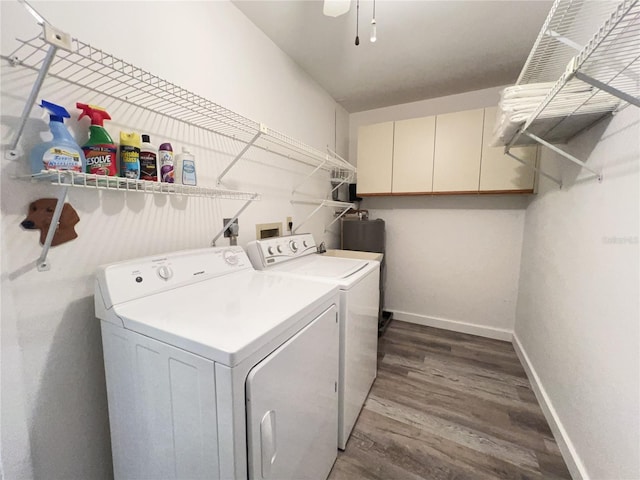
pixel 227 232
pixel 289 223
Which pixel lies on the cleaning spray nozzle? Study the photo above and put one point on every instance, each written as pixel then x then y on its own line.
pixel 95 113
pixel 57 113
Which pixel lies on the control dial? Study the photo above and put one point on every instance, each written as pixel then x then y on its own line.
pixel 279 249
pixel 293 246
pixel 305 244
pixel 165 272
pixel 230 257
pixel 270 250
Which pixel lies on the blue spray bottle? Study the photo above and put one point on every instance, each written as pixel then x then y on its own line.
pixel 61 153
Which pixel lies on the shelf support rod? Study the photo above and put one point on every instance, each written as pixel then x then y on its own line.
pixel 536 169
pixel 233 219
pixel 35 90
pixel 566 155
pixel 308 176
pixel 608 88
pixel 308 217
pixel 562 39
pixel 239 156
pixel 337 218
pixel 42 263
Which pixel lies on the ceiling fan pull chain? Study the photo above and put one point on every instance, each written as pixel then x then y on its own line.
pixel 357 22
pixel 374 35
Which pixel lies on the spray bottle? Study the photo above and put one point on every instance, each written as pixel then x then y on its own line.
pixel 61 153
pixel 100 149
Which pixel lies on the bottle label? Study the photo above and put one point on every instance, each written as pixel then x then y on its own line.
pixel 166 169
pixel 188 172
pixel 148 166
pixel 129 161
pixel 101 159
pixel 62 159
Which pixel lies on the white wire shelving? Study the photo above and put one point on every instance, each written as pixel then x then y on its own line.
pixel 83 65
pixel 120 184
pixel 55 54
pixel 66 179
pixel 608 62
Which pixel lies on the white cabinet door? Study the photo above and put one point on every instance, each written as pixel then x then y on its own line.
pixel 375 157
pixel 500 172
pixel 292 405
pixel 413 142
pixel 457 151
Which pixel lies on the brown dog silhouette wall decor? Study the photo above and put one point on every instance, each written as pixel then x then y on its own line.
pixel 39 218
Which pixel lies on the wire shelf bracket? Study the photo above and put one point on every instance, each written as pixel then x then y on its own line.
pixel 233 219
pixel 344 206
pixel 249 144
pixel 42 264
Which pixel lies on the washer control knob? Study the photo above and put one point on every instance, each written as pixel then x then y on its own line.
pixel 230 257
pixel 270 250
pixel 293 246
pixel 305 244
pixel 279 249
pixel 165 272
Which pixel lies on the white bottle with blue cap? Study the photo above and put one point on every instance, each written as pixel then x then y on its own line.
pixel 61 153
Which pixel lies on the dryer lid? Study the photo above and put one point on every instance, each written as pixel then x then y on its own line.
pixel 227 318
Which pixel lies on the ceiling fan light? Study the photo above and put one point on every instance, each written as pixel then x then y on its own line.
pixel 335 8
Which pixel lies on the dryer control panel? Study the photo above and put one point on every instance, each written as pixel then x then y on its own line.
pixel 270 251
pixel 138 278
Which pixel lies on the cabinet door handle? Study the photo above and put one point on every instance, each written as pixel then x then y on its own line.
pixel 268 445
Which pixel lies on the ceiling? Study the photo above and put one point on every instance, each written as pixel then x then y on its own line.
pixel 425 49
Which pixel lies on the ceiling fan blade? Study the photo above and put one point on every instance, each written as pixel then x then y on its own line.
pixel 335 8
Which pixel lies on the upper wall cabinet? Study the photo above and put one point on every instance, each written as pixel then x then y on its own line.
pixel 375 154
pixel 499 172
pixel 458 151
pixel 413 143
pixel 445 154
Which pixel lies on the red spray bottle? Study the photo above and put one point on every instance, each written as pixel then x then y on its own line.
pixel 100 149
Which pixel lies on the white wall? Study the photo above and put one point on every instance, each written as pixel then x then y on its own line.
pixel 453 261
pixel 54 412
pixel 578 315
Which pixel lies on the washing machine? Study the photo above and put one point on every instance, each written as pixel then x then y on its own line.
pixel 296 256
pixel 216 371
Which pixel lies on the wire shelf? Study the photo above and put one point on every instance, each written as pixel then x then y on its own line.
pixel 101 72
pixel 611 59
pixel 567 29
pixel 105 182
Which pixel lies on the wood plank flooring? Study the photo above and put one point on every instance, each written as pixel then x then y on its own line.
pixel 448 405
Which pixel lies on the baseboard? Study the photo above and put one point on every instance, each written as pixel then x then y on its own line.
pixel 454 325
pixel 569 454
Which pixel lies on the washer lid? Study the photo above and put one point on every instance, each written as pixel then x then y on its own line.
pixel 343 270
pixel 227 318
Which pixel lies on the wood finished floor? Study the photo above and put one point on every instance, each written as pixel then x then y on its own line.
pixel 448 405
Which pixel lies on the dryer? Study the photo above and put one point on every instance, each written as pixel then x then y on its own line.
pixel 358 280
pixel 214 370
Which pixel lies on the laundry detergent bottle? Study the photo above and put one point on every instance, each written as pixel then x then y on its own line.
pixel 100 149
pixel 61 153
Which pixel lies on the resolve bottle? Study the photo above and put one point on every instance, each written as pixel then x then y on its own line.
pixel 130 155
pixel 185 168
pixel 148 160
pixel 166 163
pixel 60 153
pixel 100 150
